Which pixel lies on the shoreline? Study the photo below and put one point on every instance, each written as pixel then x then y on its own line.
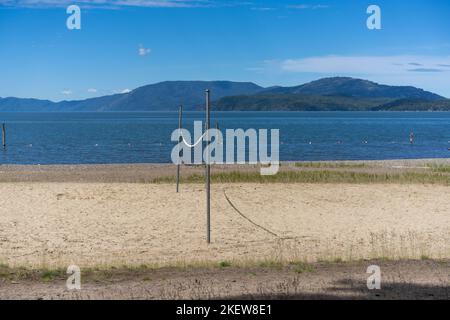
pixel 243 111
pixel 156 164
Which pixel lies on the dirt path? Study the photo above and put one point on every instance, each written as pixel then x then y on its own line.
pixel 399 280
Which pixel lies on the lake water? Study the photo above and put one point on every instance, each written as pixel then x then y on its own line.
pixel 71 138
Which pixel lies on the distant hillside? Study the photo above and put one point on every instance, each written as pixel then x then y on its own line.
pixel 345 94
pixel 337 94
pixel 170 95
pixel 163 96
pixel 296 102
pixel 29 105
pixel 356 88
pixel 415 105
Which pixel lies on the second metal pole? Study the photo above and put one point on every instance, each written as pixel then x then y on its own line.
pixel 208 173
pixel 180 115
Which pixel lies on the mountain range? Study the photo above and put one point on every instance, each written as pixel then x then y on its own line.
pixel 337 93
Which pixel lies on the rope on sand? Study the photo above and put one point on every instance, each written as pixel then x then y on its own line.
pixel 248 219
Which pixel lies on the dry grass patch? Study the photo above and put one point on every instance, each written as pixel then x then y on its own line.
pixel 317 176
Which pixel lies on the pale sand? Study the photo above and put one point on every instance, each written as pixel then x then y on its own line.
pixel 115 224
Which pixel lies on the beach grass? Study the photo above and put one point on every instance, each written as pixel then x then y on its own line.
pixel 109 273
pixel 302 267
pixel 336 164
pixel 318 176
pixel 439 168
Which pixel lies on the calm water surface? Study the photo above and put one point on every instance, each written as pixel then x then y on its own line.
pixel 72 138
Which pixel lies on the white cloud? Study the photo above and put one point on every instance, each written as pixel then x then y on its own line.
pixel 108 4
pixel 66 92
pixel 308 6
pixel 263 8
pixel 363 64
pixel 144 51
pixel 120 91
pixel 92 90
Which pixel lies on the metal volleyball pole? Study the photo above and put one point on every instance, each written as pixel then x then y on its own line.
pixel 180 115
pixel 208 173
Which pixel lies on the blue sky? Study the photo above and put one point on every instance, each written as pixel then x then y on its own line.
pixel 125 44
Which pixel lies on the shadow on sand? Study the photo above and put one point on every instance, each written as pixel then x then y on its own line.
pixel 350 290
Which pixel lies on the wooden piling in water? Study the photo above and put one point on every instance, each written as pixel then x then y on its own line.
pixel 4 135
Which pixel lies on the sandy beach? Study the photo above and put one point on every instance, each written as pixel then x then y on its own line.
pixel 95 224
